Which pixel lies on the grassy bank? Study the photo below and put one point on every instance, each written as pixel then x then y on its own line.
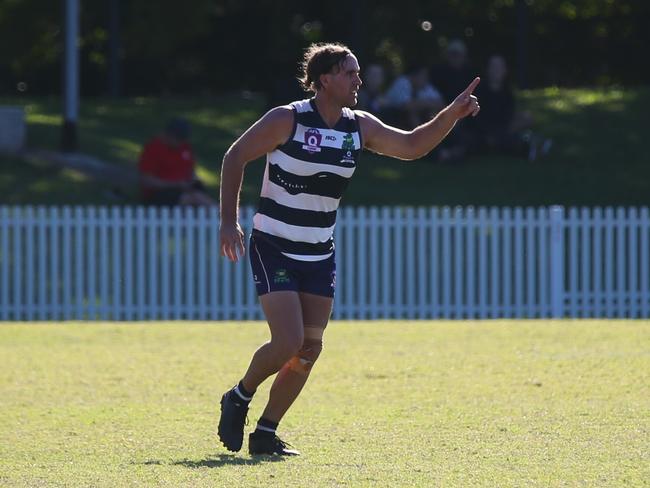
pixel 599 157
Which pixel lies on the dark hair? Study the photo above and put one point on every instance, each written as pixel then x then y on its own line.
pixel 320 59
pixel 178 128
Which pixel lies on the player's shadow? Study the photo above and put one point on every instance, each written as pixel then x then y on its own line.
pixel 220 460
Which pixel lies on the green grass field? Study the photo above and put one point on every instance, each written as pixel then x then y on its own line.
pixel 600 155
pixel 454 404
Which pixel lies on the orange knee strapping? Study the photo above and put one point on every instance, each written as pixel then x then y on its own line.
pixel 302 362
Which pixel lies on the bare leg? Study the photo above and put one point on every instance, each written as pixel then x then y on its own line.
pixel 283 312
pixel 288 383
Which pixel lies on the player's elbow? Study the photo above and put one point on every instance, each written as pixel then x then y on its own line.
pixel 233 158
pixel 229 155
pixel 416 155
pixel 408 156
pixel 414 147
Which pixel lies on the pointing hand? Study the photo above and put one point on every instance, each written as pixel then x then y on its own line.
pixel 466 103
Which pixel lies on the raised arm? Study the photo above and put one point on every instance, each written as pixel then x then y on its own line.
pixel 384 139
pixel 272 130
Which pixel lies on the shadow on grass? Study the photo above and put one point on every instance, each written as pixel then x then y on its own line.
pixel 216 461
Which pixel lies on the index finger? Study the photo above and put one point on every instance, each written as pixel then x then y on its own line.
pixel 231 252
pixel 472 86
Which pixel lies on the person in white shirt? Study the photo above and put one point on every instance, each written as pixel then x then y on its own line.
pixel 413 99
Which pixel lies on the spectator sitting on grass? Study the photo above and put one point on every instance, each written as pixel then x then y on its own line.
pixel 501 128
pixel 412 100
pixel 454 72
pixel 167 169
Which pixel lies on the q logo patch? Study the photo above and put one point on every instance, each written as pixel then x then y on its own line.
pixel 312 141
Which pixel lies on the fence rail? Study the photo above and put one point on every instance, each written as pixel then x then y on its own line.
pixel 123 263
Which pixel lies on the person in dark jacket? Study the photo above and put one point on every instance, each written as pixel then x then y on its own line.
pixel 501 128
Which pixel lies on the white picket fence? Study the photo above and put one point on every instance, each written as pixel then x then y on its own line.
pixel 123 263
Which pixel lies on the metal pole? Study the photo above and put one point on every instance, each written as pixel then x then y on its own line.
pixel 71 77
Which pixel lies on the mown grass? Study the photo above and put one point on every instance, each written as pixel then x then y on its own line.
pixel 424 404
pixel 599 155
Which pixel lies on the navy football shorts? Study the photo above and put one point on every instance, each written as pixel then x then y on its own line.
pixel 273 271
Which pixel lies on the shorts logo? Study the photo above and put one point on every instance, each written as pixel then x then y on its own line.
pixel 312 141
pixel 333 285
pixel 281 276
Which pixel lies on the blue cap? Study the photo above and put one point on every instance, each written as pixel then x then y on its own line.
pixel 179 128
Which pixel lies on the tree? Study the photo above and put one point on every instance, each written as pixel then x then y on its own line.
pixel 220 45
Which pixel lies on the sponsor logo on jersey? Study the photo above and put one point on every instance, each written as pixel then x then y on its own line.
pixel 348 147
pixel 348 142
pixel 312 141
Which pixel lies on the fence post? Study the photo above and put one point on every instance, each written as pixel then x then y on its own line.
pixel 557 261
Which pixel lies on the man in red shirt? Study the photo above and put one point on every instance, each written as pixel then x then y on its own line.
pixel 167 169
